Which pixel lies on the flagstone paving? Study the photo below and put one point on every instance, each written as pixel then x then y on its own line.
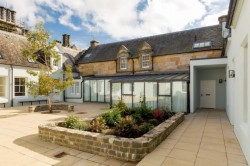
pixel 205 138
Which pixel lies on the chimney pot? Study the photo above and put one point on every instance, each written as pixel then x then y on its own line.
pixel 13 16
pixel 2 12
pixel 93 43
pixel 66 40
pixel 8 15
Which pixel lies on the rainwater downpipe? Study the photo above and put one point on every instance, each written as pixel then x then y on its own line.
pixel 11 85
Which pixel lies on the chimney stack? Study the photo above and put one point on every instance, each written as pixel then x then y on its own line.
pixel 93 43
pixel 223 21
pixel 8 15
pixel 13 16
pixel 66 40
pixel 2 14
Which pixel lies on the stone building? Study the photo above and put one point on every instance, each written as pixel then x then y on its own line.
pixel 154 69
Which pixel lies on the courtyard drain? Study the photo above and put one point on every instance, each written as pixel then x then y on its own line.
pixel 81 112
pixel 60 155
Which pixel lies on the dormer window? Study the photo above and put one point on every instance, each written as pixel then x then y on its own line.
pixel 145 61
pixel 123 63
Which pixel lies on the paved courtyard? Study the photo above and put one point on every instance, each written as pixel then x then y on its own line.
pixel 205 138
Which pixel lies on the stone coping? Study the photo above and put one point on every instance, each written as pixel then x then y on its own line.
pixel 126 149
pixel 38 108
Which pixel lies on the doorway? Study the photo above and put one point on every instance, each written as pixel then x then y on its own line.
pixel 207 93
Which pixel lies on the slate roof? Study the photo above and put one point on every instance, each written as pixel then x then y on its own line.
pixel 71 56
pixel 11 46
pixel 165 44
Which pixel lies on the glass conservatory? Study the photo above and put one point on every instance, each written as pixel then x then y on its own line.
pixel 168 91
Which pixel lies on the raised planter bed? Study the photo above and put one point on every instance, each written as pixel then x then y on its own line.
pixel 126 149
pixel 38 108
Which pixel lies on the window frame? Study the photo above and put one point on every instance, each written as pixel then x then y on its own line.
pixel 20 85
pixel 125 63
pixel 4 85
pixel 145 61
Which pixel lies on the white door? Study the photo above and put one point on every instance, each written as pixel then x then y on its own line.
pixel 207 93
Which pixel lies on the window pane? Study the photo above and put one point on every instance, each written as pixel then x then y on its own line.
pixel 127 88
pixel 164 88
pixel 179 96
pixel 86 90
pixel 116 92
pixel 107 91
pixel 164 102
pixel 77 88
pixel 100 85
pixel 22 89
pixel 93 90
pixel 127 100
pixel 138 93
pixel 151 94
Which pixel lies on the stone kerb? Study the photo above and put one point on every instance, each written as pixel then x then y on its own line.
pixel 126 149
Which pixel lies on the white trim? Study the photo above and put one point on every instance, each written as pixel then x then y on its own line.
pixel 143 60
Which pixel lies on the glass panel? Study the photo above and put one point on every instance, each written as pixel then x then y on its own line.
pixel 127 88
pixel 164 88
pixel 100 86
pixel 127 100
pixel 179 96
pixel 107 91
pixel 164 102
pixel 87 90
pixel 151 94
pixel 116 92
pixel 77 87
pixel 138 93
pixel 93 90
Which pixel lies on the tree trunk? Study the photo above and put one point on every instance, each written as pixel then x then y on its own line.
pixel 49 104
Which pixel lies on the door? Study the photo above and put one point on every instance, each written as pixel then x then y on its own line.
pixel 207 93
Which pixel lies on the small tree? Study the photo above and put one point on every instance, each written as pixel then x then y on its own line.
pixel 42 50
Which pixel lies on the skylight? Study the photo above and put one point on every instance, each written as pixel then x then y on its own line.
pixel 88 55
pixel 202 44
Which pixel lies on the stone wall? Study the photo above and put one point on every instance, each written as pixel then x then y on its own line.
pixel 38 108
pixel 127 149
pixel 163 63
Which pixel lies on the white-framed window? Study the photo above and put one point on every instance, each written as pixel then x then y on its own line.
pixel 123 63
pixel 145 61
pixel 202 44
pixel 20 88
pixel 2 86
pixel 75 89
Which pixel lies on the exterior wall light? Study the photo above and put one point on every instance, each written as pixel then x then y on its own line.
pixel 231 73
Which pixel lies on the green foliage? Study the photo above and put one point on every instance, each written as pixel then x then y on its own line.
pixel 127 128
pixel 145 127
pixel 42 50
pixel 154 122
pixel 168 114
pixel 97 125
pixel 112 117
pixel 74 122
pixel 121 106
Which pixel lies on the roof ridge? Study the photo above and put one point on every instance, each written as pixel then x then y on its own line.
pixel 170 33
pixel 12 34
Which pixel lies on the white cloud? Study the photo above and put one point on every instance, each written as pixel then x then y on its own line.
pixel 121 19
pixel 212 19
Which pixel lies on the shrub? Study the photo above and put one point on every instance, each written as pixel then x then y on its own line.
pixel 145 127
pixel 168 114
pixel 112 117
pixel 71 122
pixel 145 112
pixel 97 125
pixel 121 106
pixel 82 125
pixel 127 128
pixel 154 122
pixel 158 114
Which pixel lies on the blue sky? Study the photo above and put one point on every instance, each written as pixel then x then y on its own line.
pixel 113 20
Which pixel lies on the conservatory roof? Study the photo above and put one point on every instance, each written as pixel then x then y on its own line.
pixel 173 76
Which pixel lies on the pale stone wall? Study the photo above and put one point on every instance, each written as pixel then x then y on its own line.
pixel 164 63
pixel 126 149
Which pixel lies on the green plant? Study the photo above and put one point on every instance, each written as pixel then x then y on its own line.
pixel 112 117
pixel 154 122
pixel 158 114
pixel 97 125
pixel 127 128
pixel 168 114
pixel 121 106
pixel 82 125
pixel 71 122
pixel 145 127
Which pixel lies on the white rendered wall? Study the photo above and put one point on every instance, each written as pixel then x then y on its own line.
pixel 236 90
pixel 194 66
pixel 75 98
pixel 5 71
